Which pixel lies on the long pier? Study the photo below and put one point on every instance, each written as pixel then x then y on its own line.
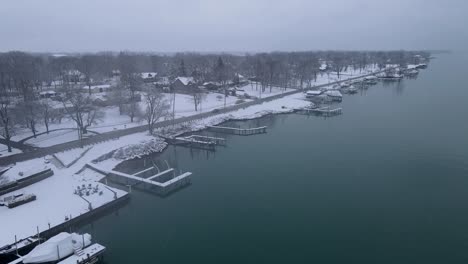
pixel 239 131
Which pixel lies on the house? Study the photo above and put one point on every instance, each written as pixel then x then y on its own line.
pixel 323 66
pixel 162 82
pixel 98 88
pixel 183 84
pixel 211 86
pixel 148 77
pixel 73 76
pixel 239 79
pixel 115 73
pixel 100 100
pixel 47 94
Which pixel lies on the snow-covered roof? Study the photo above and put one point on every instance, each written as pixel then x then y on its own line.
pixel 323 66
pixel 102 86
pixel 47 92
pixel 333 93
pixel 148 75
pixel 73 72
pixel 54 104
pixel 163 81
pixel 211 83
pixel 185 80
pixel 314 92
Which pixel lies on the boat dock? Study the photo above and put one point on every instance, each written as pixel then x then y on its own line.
pixel 162 183
pixel 198 141
pixel 214 140
pixel 238 131
pixel 87 255
pixel 322 111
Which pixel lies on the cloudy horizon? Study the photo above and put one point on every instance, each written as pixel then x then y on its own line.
pixel 232 26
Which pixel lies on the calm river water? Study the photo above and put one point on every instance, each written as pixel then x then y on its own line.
pixel 386 182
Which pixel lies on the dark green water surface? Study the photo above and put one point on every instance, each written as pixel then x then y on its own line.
pixel 386 182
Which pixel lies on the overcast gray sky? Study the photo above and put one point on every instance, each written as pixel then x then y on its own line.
pixel 231 25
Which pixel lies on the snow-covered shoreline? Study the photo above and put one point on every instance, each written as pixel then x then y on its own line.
pixel 56 199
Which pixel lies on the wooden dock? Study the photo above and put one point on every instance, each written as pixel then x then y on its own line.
pixel 162 183
pixel 198 142
pixel 322 111
pixel 238 131
pixel 215 140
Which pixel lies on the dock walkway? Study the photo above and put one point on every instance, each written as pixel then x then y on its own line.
pixel 239 131
pixel 322 111
pixel 150 184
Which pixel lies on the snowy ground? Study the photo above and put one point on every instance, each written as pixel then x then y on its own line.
pixel 112 120
pixel 55 195
pixel 67 157
pixel 4 151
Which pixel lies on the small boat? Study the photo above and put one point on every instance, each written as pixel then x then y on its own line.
pixel 351 90
pixel 371 80
pixel 58 247
pixel 345 84
pixel 412 72
pixel 89 255
pixel 312 94
pixel 391 76
pixel 334 95
pixel 422 66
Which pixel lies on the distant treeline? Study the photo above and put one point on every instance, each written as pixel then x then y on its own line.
pixel 22 72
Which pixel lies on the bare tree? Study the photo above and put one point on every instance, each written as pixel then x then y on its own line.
pixel 45 110
pixel 30 114
pixel 7 121
pixel 80 109
pixel 119 96
pixel 197 97
pixel 85 65
pixel 157 107
pixel 131 79
pixel 221 74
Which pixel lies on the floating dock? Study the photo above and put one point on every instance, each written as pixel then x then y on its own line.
pixel 238 131
pixel 162 183
pixel 322 111
pixel 198 141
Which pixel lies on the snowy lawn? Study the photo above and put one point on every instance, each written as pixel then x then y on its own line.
pixel 55 195
pixel 4 151
pixel 254 90
pixel 67 157
pixel 184 105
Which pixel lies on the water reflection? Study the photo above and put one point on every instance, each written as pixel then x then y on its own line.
pixel 170 156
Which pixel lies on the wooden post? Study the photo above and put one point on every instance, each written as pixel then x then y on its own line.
pixel 16 244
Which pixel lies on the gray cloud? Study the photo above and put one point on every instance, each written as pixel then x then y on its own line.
pixel 227 25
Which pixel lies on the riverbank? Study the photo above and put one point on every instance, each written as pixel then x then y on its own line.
pixel 322 81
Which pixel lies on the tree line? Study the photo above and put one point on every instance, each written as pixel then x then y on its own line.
pixel 23 75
